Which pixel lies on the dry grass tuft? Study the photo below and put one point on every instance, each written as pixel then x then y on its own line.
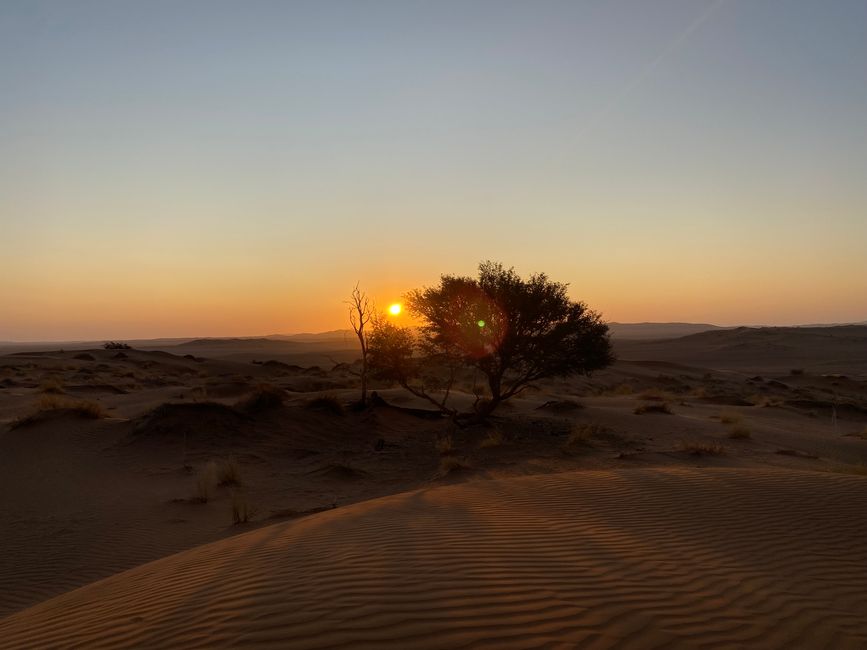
pixel 263 398
pixel 451 464
pixel 701 448
pixel 729 417
pixel 581 434
pixel 740 432
pixel 700 392
pixel 622 389
pixel 765 401
pixel 653 408
pixel 206 481
pixel 49 403
pixel 51 386
pixel 242 511
pixel 446 445
pixel 325 404
pixel 494 438
pixel 228 472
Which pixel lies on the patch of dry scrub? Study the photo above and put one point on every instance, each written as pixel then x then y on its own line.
pixel 583 433
pixel 740 432
pixel 206 482
pixel 729 417
pixel 242 511
pixel 325 404
pixel 228 472
pixel 494 438
pixel 53 404
pixel 264 397
pixel 653 408
pixel 701 448
pixel 51 386
pixel 452 464
pixel 446 445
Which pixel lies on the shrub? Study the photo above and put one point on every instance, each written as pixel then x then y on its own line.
pixel 698 448
pixel 623 389
pixel 80 407
pixel 325 404
pixel 450 464
pixel 51 385
pixel 494 438
pixel 228 472
pixel 653 408
pixel 263 398
pixel 796 372
pixel 116 345
pixel 446 445
pixel 581 434
pixel 765 401
pixel 242 512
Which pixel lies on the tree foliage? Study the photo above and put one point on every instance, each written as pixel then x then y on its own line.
pixel 513 331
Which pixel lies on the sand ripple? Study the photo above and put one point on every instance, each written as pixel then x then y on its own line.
pixel 645 558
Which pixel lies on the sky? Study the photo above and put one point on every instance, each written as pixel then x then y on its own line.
pixel 214 168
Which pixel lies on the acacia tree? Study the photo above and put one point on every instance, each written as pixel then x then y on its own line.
pixel 361 312
pixel 513 331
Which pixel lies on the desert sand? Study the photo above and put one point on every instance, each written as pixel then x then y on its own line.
pixel 705 491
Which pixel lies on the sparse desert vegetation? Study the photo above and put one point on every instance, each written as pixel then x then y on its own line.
pixel 730 417
pixel 740 432
pixel 206 482
pixel 263 398
pixel 494 438
pixel 662 408
pixel 242 512
pixel 446 445
pixel 701 448
pixel 451 464
pixel 228 472
pixel 49 403
pixel 326 404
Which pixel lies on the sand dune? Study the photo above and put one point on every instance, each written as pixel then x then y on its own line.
pixel 838 349
pixel 636 558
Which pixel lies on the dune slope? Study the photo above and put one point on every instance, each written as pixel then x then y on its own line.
pixel 638 558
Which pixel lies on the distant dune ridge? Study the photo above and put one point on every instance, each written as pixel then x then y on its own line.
pixel 655 558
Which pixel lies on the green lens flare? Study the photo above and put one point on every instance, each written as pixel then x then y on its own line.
pixel 481 323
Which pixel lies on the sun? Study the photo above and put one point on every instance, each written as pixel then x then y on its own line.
pixel 394 310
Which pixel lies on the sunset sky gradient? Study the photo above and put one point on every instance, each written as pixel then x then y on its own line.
pixel 212 168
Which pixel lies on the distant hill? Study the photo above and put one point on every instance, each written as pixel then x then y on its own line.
pixel 841 348
pixel 657 330
pixel 231 343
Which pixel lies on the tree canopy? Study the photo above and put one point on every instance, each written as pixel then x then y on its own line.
pixel 514 331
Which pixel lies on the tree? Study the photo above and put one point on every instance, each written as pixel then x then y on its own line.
pixel 361 311
pixel 513 331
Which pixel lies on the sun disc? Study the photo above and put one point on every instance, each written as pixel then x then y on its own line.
pixel 394 310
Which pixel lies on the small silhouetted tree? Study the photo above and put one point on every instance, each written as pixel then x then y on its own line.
pixel 511 330
pixel 361 311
